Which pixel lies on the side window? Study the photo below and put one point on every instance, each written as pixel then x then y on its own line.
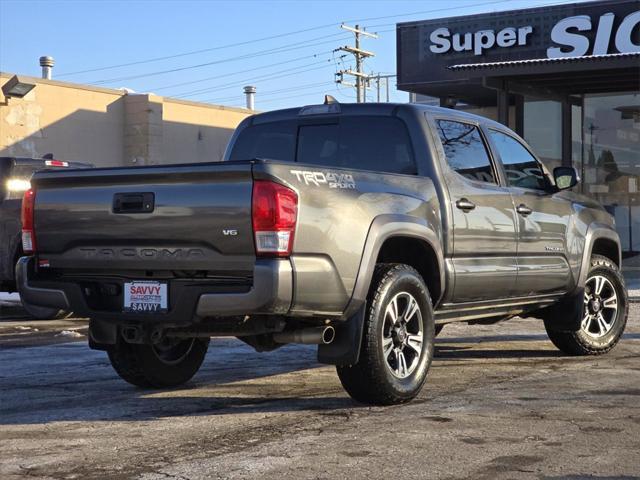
pixel 381 144
pixel 522 169
pixel 465 151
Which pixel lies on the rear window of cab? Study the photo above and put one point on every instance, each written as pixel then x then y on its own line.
pixel 364 142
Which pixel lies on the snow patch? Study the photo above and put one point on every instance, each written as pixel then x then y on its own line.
pixel 69 333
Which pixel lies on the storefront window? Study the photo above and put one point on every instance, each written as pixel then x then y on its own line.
pixel 543 130
pixel 611 164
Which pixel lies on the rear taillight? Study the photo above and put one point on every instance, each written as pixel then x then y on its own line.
pixel 28 228
pixel 274 210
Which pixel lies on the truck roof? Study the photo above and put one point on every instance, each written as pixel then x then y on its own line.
pixel 364 109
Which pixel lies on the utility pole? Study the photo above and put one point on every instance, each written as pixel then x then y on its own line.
pixel 378 78
pixel 361 78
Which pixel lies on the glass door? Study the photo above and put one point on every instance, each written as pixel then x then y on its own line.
pixel 611 165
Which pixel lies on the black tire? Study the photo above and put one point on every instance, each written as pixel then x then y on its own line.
pixel 44 313
pixel 150 366
pixel 586 341
pixel 371 380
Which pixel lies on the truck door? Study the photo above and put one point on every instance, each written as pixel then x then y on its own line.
pixel 542 219
pixel 484 220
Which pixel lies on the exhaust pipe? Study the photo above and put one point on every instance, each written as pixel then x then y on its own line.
pixel 308 336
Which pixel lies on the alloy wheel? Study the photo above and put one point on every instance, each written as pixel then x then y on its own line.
pixel 600 306
pixel 402 335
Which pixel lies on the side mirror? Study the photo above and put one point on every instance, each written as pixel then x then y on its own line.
pixel 565 177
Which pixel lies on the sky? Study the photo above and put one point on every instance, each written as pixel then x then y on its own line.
pixel 208 50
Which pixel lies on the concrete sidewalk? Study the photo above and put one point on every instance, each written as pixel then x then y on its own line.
pixel 633 286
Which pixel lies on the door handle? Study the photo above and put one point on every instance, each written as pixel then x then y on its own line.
pixel 523 210
pixel 133 202
pixel 465 205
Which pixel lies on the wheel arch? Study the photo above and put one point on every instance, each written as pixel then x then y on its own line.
pixel 417 253
pixel 600 240
pixel 387 237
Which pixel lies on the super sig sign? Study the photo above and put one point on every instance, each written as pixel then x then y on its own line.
pixel 589 28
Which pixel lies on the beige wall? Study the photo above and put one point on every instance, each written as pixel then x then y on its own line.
pixel 194 132
pixel 109 128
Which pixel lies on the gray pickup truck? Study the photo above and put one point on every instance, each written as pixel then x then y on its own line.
pixel 362 229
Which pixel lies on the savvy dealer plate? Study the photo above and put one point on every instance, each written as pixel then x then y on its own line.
pixel 145 297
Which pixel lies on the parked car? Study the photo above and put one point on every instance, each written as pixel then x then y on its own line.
pixel 15 173
pixel 359 227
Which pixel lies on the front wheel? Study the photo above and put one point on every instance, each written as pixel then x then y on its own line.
pixel 604 314
pixel 169 363
pixel 397 346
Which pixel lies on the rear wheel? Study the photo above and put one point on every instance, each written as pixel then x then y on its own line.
pixel 604 314
pixel 169 363
pixel 397 346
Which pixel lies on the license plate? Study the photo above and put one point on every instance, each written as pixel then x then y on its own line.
pixel 145 297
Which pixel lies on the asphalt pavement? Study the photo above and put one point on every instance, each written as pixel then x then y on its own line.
pixel 500 403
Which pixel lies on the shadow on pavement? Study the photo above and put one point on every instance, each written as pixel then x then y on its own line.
pixel 68 382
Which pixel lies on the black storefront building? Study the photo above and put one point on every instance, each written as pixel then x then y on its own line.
pixel 566 78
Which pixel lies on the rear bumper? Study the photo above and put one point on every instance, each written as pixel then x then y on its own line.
pixel 42 297
pixel 271 293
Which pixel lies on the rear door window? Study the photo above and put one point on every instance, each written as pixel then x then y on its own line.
pixel 465 151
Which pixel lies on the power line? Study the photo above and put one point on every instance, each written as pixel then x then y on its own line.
pixel 216 62
pixel 238 72
pixel 269 92
pixel 271 37
pixel 194 52
pixel 289 96
pixel 236 84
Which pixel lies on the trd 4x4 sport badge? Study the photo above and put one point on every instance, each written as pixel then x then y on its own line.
pixel 332 179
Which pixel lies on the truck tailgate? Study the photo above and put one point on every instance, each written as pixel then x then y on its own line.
pixel 193 217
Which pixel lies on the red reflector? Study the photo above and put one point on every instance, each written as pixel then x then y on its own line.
pixel 28 230
pixel 274 212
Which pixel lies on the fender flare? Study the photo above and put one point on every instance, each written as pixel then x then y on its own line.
pixel 345 349
pixel 596 231
pixel 383 228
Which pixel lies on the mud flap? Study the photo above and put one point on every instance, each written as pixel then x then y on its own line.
pixel 102 335
pixel 345 349
pixel 566 315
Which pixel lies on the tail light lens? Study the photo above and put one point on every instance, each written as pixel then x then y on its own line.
pixel 274 212
pixel 28 228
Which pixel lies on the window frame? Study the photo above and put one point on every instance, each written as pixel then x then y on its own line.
pixel 499 180
pixel 545 172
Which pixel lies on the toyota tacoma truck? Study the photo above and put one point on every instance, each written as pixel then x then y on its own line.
pixel 14 181
pixel 360 228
